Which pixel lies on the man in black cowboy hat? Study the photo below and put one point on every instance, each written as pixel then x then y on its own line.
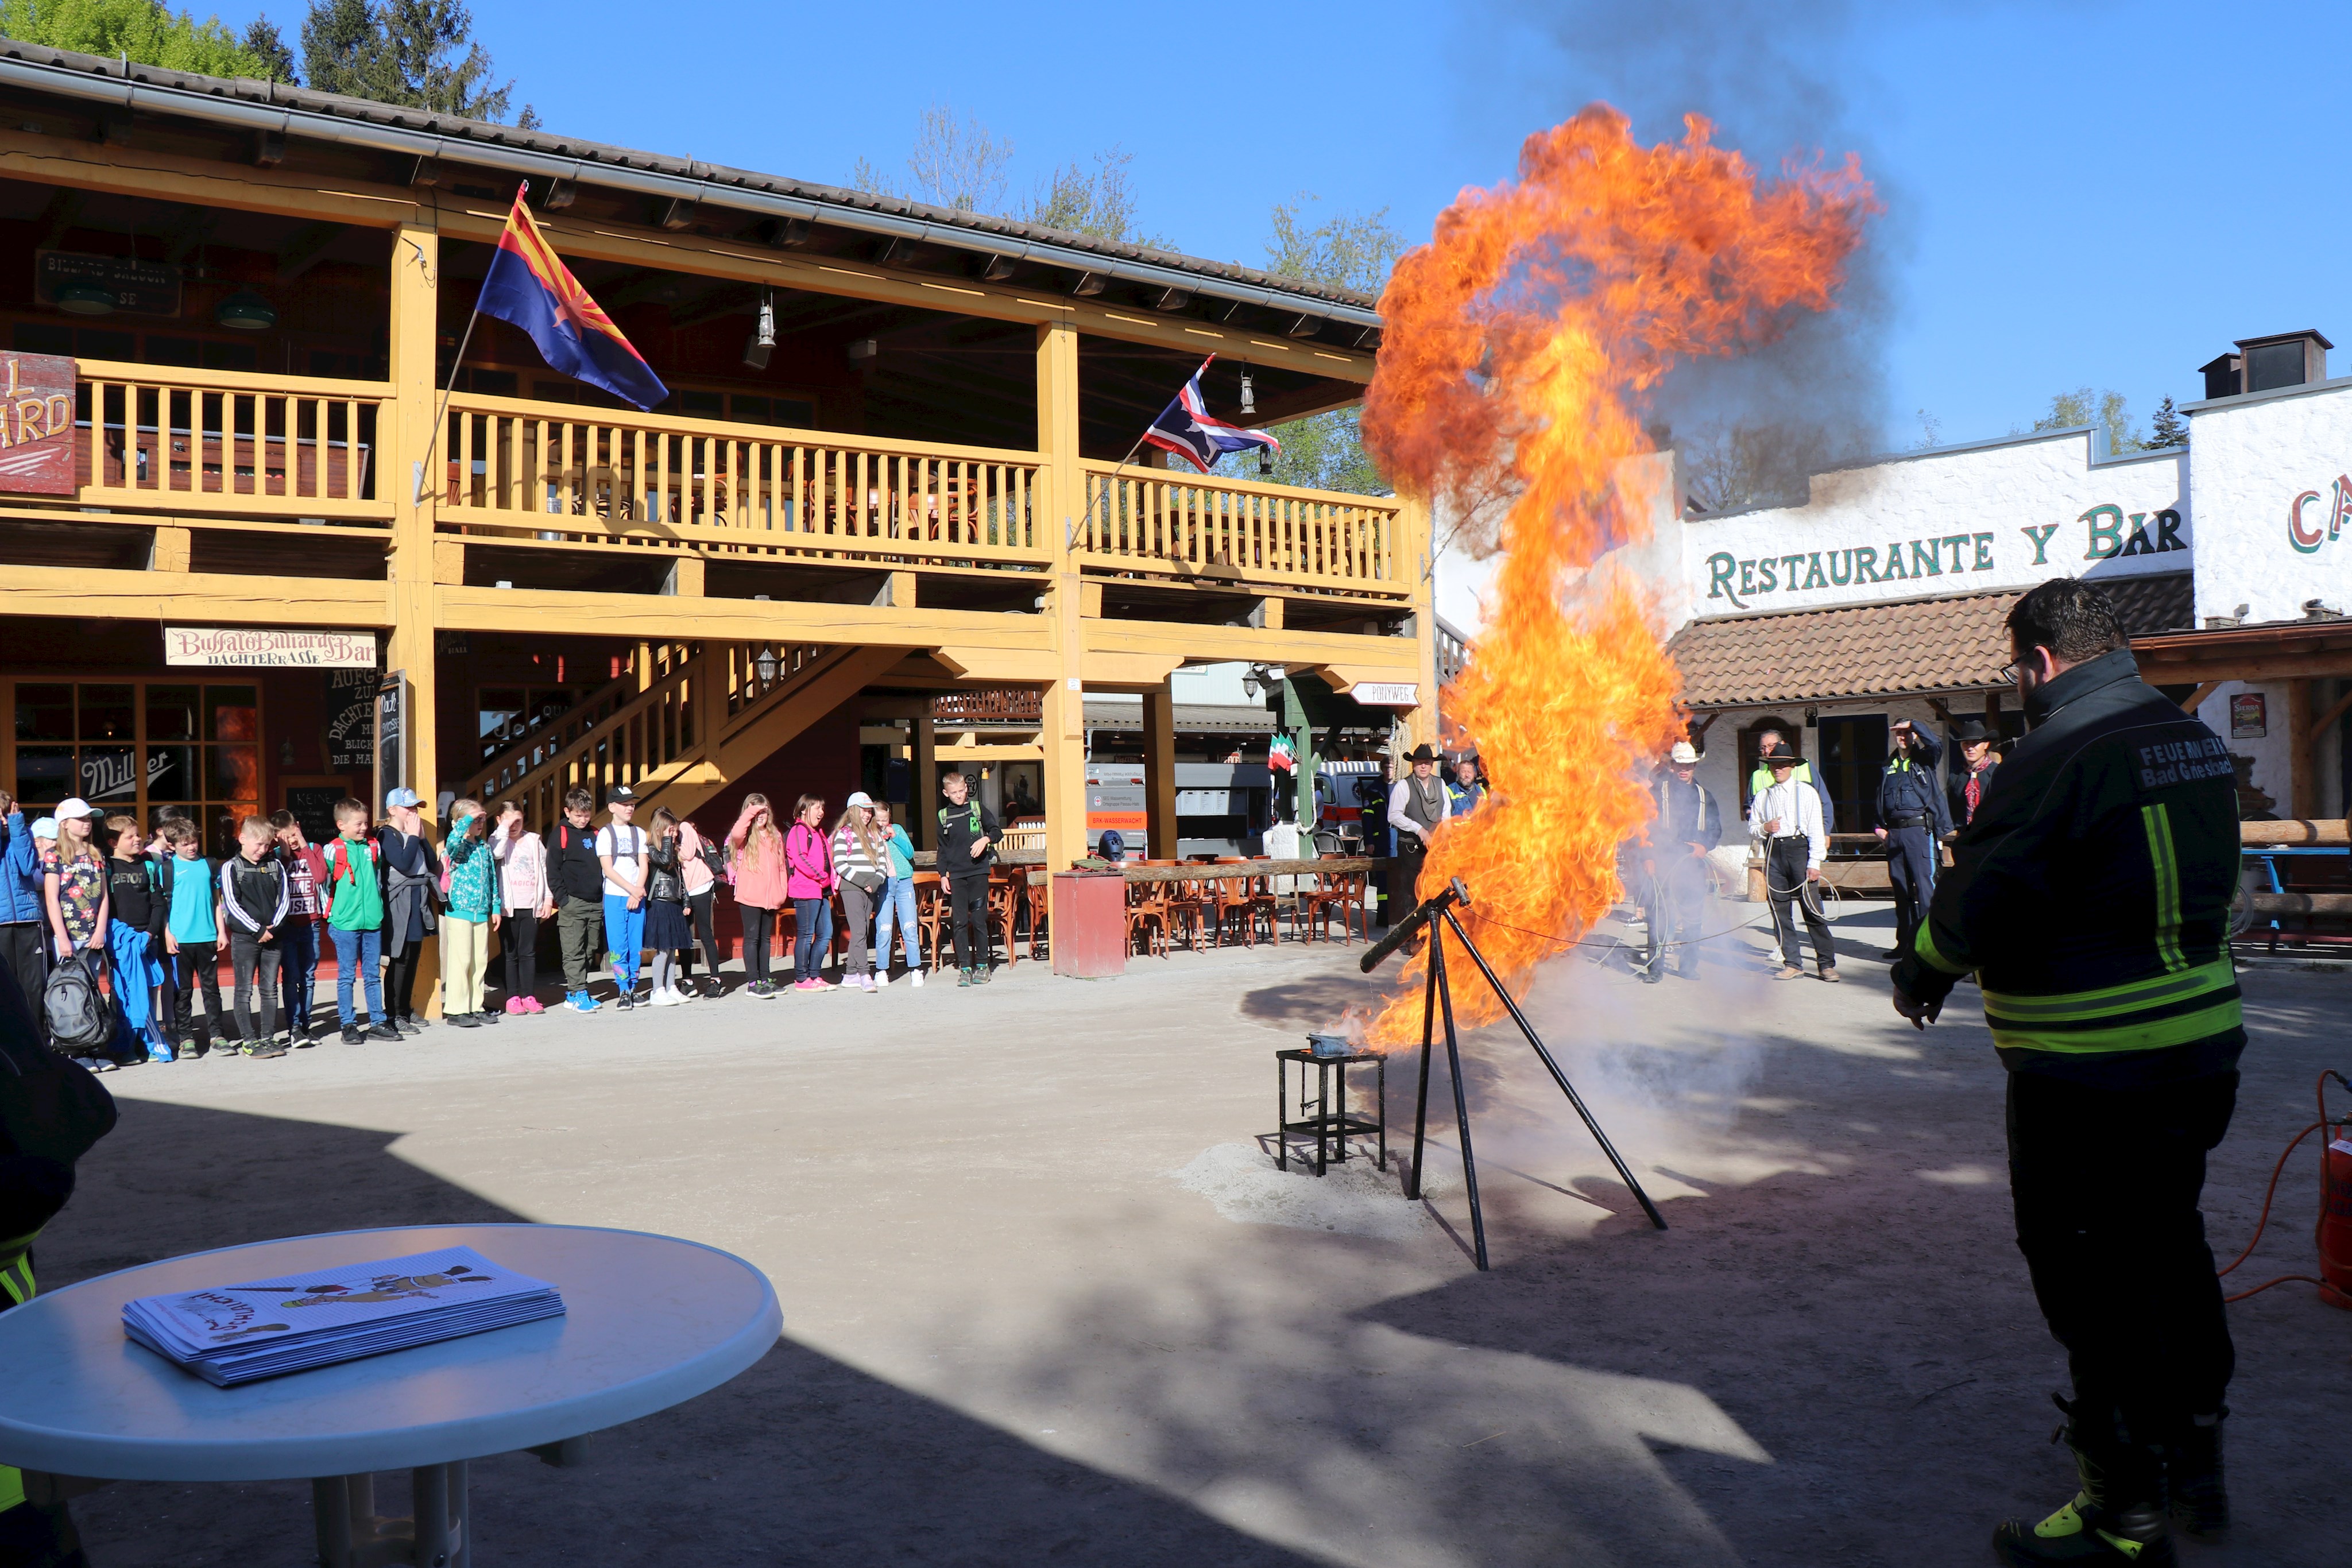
pixel 1786 819
pixel 1980 754
pixel 1416 806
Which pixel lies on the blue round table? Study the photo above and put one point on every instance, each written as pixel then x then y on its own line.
pixel 649 1321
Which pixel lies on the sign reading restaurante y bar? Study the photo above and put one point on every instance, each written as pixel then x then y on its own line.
pixel 1993 514
pixel 268 646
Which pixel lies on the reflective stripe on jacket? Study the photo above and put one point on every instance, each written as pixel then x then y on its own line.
pixel 2091 894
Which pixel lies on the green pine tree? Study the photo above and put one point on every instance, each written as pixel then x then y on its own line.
pixel 2168 428
pixel 144 30
pixel 419 53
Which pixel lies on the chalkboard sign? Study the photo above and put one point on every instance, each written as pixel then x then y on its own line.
pixel 391 737
pixel 313 805
pixel 351 717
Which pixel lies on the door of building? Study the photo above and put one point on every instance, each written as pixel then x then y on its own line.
pixel 1852 754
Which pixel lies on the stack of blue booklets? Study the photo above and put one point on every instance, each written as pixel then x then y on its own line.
pixel 235 1334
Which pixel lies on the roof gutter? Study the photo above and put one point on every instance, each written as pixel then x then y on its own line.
pixel 134 96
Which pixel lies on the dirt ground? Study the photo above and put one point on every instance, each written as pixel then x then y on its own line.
pixel 1046 1300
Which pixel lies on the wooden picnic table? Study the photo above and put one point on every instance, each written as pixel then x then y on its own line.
pixel 1221 871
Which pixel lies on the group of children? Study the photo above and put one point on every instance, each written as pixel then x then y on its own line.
pixel 154 912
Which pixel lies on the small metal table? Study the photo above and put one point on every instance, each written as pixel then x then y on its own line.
pixel 649 1321
pixel 1325 1118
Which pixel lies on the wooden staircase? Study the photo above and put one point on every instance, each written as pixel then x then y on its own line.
pixel 702 713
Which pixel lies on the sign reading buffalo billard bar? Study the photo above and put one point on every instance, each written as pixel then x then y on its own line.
pixel 264 647
pixel 37 426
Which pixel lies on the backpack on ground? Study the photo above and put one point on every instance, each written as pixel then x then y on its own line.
pixel 76 1012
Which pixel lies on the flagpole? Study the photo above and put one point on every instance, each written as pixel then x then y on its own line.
pixel 1088 522
pixel 441 415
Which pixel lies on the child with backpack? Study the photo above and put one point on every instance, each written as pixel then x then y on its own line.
pixel 621 853
pixel 255 896
pixel 299 938
pixel 575 882
pixel 355 921
pixel 190 886
pixel 699 863
pixel 470 883
pixel 667 930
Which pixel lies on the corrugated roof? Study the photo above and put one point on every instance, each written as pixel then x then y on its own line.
pixel 287 108
pixel 1910 648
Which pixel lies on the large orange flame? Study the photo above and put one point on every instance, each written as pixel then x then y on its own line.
pixel 1521 345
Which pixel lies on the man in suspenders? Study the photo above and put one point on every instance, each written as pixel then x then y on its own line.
pixel 1416 806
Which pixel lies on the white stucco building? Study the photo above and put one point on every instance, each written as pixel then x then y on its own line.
pixel 1882 595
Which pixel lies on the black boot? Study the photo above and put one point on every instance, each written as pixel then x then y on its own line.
pixel 2116 1520
pixel 2192 1467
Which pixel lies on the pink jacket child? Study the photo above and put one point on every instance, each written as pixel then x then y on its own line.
pixel 808 861
pixel 758 876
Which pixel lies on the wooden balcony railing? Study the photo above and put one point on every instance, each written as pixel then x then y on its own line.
pixel 227 442
pixel 552 472
pixel 989 705
pixel 1220 527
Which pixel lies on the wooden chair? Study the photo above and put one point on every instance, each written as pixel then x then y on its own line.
pixel 932 917
pixel 1039 907
pixel 1147 913
pixel 1190 902
pixel 1004 901
pixel 1245 896
pixel 1341 892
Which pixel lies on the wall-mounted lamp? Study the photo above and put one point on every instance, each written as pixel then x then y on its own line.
pixel 766 664
pixel 863 351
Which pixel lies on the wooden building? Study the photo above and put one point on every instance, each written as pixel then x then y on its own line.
pixel 251 299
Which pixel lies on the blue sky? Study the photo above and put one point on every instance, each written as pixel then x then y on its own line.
pixel 2079 192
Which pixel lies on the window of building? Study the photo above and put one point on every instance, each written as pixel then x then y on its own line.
pixel 139 746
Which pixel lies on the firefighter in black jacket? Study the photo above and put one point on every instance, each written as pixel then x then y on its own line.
pixel 2090 897
pixel 1913 824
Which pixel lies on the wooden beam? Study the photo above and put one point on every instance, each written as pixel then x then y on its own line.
pixel 999 666
pixel 2326 830
pixel 1119 672
pixel 226 598
pixel 2319 726
pixel 1394 657
pixel 2267 667
pixel 1160 773
pixel 170 550
pixel 176 177
pixel 2303 770
pixel 2196 699
pixel 992 639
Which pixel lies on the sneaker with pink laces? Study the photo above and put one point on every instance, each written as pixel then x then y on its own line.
pixel 532 1005
pixel 514 1005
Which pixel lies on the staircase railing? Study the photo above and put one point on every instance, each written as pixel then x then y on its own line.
pixel 693 693
pixel 525 750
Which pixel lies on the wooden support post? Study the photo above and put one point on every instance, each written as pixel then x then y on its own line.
pixel 1413 557
pixel 2303 770
pixel 171 550
pixel 1062 732
pixel 1992 711
pixel 685 576
pixel 924 791
pixel 449 561
pixel 1160 773
pixel 416 275
pixel 2196 699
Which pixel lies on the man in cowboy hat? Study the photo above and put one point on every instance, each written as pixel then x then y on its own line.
pixel 1965 791
pixel 1416 806
pixel 1786 819
pixel 1689 824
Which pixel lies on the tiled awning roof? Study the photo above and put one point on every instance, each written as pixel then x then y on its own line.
pixel 1914 648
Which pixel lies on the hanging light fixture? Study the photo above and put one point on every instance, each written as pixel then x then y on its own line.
pixel 86 300
pixel 246 311
pixel 766 664
pixel 1249 395
pixel 763 337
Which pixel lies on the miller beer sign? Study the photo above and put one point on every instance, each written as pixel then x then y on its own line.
pixel 37 426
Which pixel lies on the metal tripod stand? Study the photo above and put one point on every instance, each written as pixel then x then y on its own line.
pixel 1437 1001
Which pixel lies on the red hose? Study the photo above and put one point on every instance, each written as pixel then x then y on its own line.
pixel 2328 1292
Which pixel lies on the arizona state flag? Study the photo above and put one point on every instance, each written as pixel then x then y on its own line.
pixel 529 286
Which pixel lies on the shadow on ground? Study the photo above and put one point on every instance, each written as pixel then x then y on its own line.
pixel 802 1459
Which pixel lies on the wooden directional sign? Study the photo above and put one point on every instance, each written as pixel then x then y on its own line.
pixel 37 426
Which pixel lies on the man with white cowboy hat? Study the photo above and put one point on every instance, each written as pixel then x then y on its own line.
pixel 1417 805
pixel 1785 818
pixel 1688 824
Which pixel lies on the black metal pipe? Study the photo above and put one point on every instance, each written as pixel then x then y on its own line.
pixel 1420 1106
pixel 1460 1101
pixel 1557 1076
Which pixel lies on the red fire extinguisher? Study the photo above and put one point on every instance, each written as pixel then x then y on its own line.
pixel 2335 1215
